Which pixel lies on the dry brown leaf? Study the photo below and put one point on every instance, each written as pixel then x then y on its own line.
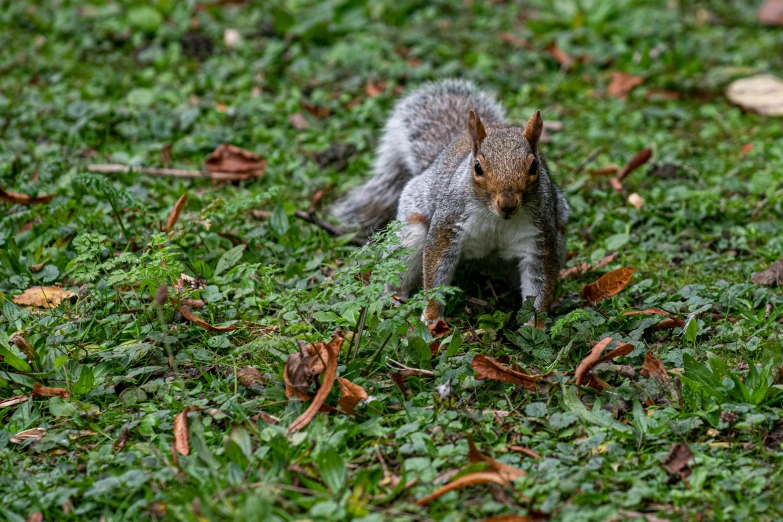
pixel 762 93
pixel 32 433
pixel 526 451
pixel 560 56
pixel 653 367
pixel 636 201
pixel 333 350
pixel 181 434
pixel 508 472
pixel 582 268
pixel 595 357
pixel 622 84
pixel 608 284
pixel 119 444
pixel 772 276
pixel 374 89
pixel 292 391
pixel 771 12
pixel 193 318
pixel 175 212
pixel 472 479
pixel 489 368
pixel 669 323
pixel 36 517
pixel 617 185
pixel 298 121
pixel 439 328
pixel 42 391
pixel 648 311
pixel 509 518
pixel 43 296
pixel 317 111
pixel 636 161
pixel 677 462
pixel 352 394
pixel 13 401
pixel 250 376
pixel 165 155
pixel 608 170
pixel 234 163
pixel 16 198
pixel 513 40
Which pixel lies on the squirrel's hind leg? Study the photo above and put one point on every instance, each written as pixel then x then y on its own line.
pixel 413 236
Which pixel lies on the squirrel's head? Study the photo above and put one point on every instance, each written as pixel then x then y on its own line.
pixel 505 163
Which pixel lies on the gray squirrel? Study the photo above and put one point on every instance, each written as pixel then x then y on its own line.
pixel 466 186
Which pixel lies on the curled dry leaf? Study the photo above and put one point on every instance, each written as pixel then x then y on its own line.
pixel 622 84
pixel 175 212
pixel 32 433
pixel 677 462
pixel 560 56
pixel 508 472
pixel 608 284
pixel 771 12
pixel 230 163
pixel 648 311
pixel 330 372
pixel 489 368
pixel 653 367
pixel 250 376
pixel 439 328
pixel 762 93
pixel 374 89
pixel 636 161
pixel 352 394
pixel 43 296
pixel 13 401
pixel 299 388
pixel 594 357
pixel 181 434
pixel 193 318
pixel 666 324
pixel 23 199
pixel 582 268
pixel 317 111
pixel 42 391
pixel 772 276
pixel 526 451
pixel 472 479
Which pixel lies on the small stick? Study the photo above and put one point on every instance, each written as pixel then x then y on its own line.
pixel 375 357
pixel 407 370
pixel 359 332
pixel 311 217
pixel 590 158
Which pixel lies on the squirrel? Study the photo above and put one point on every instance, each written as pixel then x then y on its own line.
pixel 467 186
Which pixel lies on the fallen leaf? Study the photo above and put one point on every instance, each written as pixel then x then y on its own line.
pixel 32 433
pixel 772 276
pixel 439 328
pixel 608 170
pixel 677 461
pixel 527 451
pixel 636 201
pixel 648 311
pixel 181 434
pixel 42 391
pixel 13 401
pixel 374 89
pixel 582 268
pixel 653 367
pixel 16 198
pixel 165 155
pixel 513 40
pixel 352 394
pixel 298 120
pixel 509 518
pixel 622 84
pixel 333 350
pixel 560 56
pixel 292 391
pixel 249 376
pixel 221 108
pixel 608 285
pixel 472 479
pixel 119 444
pixel 175 212
pixel 489 368
pixel 399 380
pixel 43 296
pixel 508 472
pixel 746 149
pixel 193 318
pixel 594 357
pixel 617 185
pixel 36 517
pixel 762 93
pixel 771 12
pixel 636 161
pixel 669 324
pixel 317 111
pixel 230 163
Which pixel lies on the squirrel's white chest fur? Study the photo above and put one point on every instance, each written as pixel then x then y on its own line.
pixel 486 234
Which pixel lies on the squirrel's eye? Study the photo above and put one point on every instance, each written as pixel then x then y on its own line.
pixel 477 168
pixel 533 172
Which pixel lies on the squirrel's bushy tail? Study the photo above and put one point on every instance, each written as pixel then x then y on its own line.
pixel 421 125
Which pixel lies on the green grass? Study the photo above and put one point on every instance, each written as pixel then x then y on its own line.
pixel 113 82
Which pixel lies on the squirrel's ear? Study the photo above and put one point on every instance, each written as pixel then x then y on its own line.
pixel 476 131
pixel 535 126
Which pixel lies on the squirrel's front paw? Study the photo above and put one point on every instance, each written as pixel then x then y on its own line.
pixel 433 313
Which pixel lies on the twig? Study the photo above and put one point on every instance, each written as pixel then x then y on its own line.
pixel 114 168
pixel 311 217
pixel 359 332
pixel 375 357
pixel 590 158
pixel 407 370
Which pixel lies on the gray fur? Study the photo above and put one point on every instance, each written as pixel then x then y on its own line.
pixel 426 163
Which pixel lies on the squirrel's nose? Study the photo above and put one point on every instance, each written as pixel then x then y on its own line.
pixel 507 206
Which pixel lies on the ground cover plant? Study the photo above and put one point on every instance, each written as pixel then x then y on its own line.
pixel 185 335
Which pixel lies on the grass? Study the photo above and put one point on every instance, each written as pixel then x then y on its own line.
pixel 117 82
